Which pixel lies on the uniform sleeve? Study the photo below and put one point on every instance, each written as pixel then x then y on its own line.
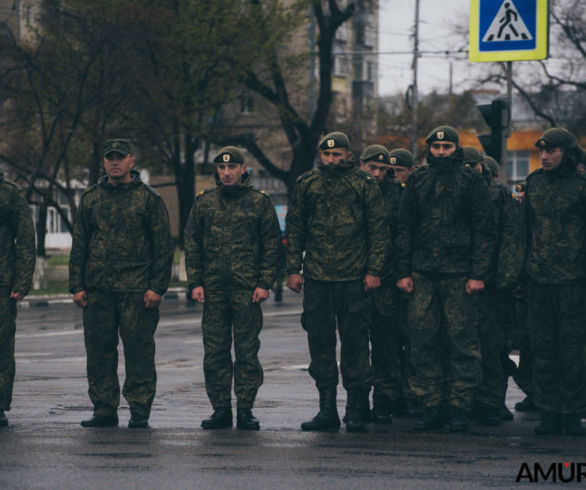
pixel 24 247
pixel 482 227
pixel 193 237
pixel 378 234
pixel 406 220
pixel 511 246
pixel 295 227
pixel 162 248
pixel 79 249
pixel 270 235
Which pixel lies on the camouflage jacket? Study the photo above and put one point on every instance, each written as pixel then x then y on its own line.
pixel 17 239
pixel 444 223
pixel 337 217
pixel 392 190
pixel 232 236
pixel 121 240
pixel 509 251
pixel 555 204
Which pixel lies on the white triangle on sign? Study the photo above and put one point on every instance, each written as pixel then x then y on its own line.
pixel 507 25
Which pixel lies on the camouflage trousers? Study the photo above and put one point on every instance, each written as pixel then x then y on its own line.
pixel 231 312
pixel 7 331
pixel 329 304
pixel 443 333
pixel 107 316
pixel 387 342
pixel 557 327
pixel 492 390
pixel 524 375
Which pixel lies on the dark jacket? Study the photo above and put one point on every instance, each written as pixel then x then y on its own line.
pixel 17 239
pixel 121 240
pixel 555 204
pixel 336 216
pixel 232 236
pixel 444 223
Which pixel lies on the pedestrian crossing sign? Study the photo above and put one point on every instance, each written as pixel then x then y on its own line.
pixel 508 30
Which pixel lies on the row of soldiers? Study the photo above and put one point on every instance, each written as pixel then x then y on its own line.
pixel 418 266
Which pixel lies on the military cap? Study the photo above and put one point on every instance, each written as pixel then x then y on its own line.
pixel 122 146
pixel 377 153
pixel 443 133
pixel 229 154
pixel 556 137
pixel 402 157
pixel 471 156
pixel 334 140
pixel 492 165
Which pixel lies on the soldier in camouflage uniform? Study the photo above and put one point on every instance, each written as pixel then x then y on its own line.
pixel 232 241
pixel 336 216
pixel 445 241
pixel 119 269
pixel 502 276
pixel 17 264
pixel 555 201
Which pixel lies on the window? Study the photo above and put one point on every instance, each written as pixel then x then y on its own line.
pixel 517 165
pixel 340 65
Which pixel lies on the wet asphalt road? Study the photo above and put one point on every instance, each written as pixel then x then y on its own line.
pixel 44 446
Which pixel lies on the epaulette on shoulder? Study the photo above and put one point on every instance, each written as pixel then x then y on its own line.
pixel 205 191
pixel 535 172
pixel 152 190
pixel 90 189
pixel 364 175
pixel 12 185
pixel 306 175
pixel 261 191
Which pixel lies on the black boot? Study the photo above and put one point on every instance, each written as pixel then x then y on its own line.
pixel 138 421
pixel 245 420
pixel 526 405
pixel 457 419
pixel 551 424
pixel 3 419
pixel 327 417
pixel 101 421
pixel 432 418
pixel 573 425
pixel 220 419
pixel 381 411
pixel 487 415
pixel 354 404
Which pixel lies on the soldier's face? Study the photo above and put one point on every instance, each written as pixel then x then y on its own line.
pixel 377 170
pixel 231 173
pixel 442 148
pixel 117 167
pixel 402 173
pixel 551 158
pixel 334 156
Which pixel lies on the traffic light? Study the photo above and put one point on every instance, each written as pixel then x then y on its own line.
pixel 497 116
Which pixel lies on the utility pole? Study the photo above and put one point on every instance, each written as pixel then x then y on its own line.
pixel 414 94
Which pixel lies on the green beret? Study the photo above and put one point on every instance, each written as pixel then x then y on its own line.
pixel 443 133
pixel 471 156
pixel 334 140
pixel 229 154
pixel 402 157
pixel 492 165
pixel 122 146
pixel 377 153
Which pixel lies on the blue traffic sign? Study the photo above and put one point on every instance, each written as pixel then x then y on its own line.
pixel 508 30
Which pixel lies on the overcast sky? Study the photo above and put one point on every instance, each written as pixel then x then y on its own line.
pixel 436 33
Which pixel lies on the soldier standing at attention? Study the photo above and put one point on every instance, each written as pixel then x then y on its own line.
pixel 119 269
pixel 232 241
pixel 336 216
pixel 444 246
pixel 555 200
pixel 385 338
pixel 17 264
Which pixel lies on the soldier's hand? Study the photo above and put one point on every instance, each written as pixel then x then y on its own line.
pixel 295 282
pixel 371 282
pixel 260 295
pixel 474 286
pixel 405 285
pixel 152 299
pixel 80 299
pixel 197 294
pixel 16 296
